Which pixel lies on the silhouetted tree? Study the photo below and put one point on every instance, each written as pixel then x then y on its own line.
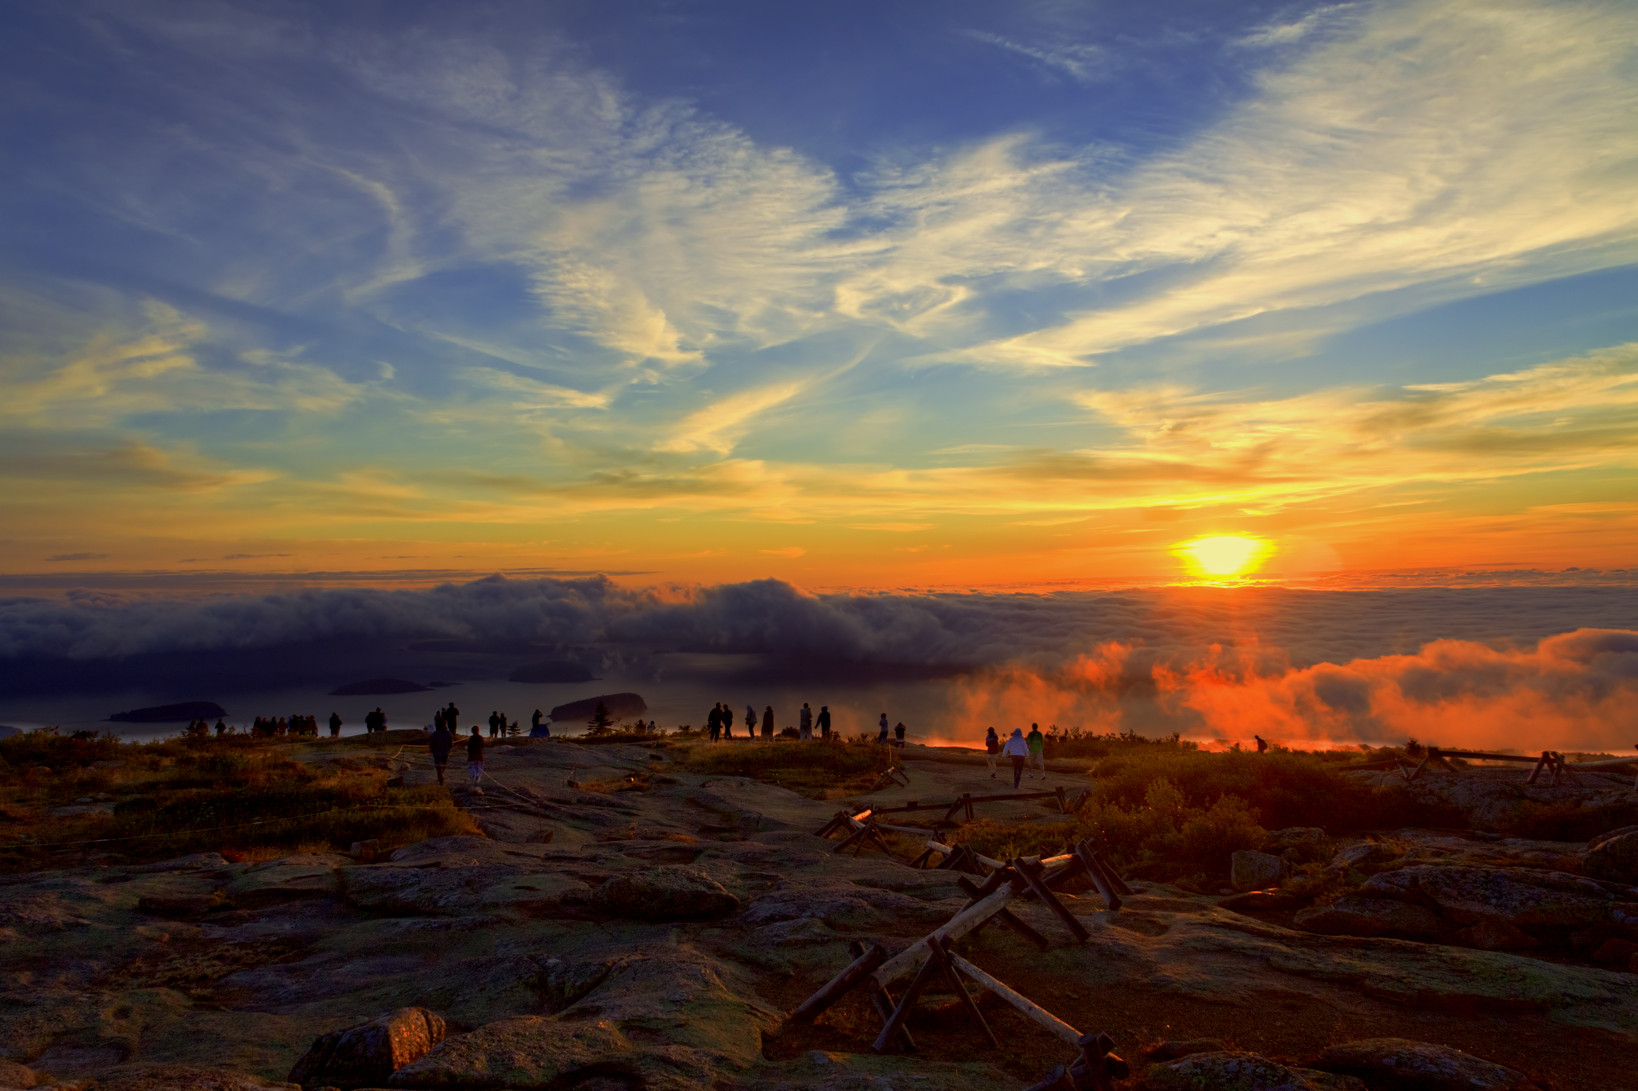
pixel 600 721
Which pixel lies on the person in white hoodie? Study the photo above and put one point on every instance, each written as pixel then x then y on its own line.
pixel 1018 750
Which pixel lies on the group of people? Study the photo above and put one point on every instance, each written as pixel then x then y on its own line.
pixel 266 727
pixel 719 722
pixel 1023 751
pixel 446 729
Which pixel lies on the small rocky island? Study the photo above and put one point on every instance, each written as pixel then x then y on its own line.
pixel 658 914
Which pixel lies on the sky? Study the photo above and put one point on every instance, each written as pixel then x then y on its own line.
pixel 850 295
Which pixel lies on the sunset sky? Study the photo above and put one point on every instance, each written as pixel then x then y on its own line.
pixel 870 295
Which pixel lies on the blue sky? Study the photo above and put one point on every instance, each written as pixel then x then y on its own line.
pixel 849 294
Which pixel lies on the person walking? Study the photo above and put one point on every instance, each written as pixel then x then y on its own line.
pixel 824 722
pixel 992 748
pixel 804 722
pixel 335 725
pixel 750 720
pixel 1037 751
pixel 452 719
pixel 713 721
pixel 1018 750
pixel 474 758
pixel 881 729
pixel 441 743
pixel 767 724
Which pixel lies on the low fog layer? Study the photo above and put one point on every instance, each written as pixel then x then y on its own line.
pixel 1521 667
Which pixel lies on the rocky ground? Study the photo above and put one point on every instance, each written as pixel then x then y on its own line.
pixel 628 924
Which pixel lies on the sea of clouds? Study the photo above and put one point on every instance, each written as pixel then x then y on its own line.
pixel 1518 667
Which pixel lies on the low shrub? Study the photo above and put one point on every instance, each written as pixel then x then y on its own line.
pixel 231 794
pixel 819 770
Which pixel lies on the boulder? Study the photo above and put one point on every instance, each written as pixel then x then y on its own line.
pixel 175 1077
pixel 1420 1066
pixel 1263 900
pixel 665 894
pixel 369 1053
pixel 664 1018
pixel 1353 915
pixel 1183 1047
pixel 1521 897
pixel 1491 934
pixel 303 875
pixel 15 1077
pixel 457 891
pixel 1298 843
pixel 1238 1071
pixel 528 1052
pixel 1614 855
pixel 1250 870
pixel 1362 854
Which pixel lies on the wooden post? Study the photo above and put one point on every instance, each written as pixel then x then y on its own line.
pixel 1095 1058
pixel 1055 1026
pixel 1032 877
pixel 1009 918
pixel 907 1001
pixel 1089 862
pixel 968 799
pixel 1063 803
pixel 1545 762
pixel 830 827
pixel 846 842
pixel 881 999
pixel 968 920
pixel 942 955
pixel 837 987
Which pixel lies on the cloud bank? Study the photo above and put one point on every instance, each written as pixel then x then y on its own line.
pixel 1520 667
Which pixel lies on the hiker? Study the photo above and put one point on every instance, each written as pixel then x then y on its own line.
pixel 452 719
pixel 804 722
pixel 494 724
pixel 992 748
pixel 1262 744
pixel 1037 751
pixel 335 725
pixel 542 728
pixel 474 758
pixel 714 721
pixel 221 727
pixel 881 736
pixel 898 733
pixel 767 723
pixel 534 723
pixel 441 743
pixel 824 722
pixel 1018 750
pixel 750 720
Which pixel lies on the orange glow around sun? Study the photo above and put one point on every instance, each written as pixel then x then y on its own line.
pixel 1223 556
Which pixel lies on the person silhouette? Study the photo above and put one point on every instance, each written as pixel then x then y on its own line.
pixel 1262 744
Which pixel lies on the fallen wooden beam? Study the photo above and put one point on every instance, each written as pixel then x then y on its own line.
pixel 942 955
pixel 1032 876
pixel 1007 916
pixel 834 989
pixel 1057 1027
pixel 881 999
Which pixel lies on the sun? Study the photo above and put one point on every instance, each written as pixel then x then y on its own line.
pixel 1223 556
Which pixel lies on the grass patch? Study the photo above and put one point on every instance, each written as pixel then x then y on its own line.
pixel 818 770
pixel 245 797
pixel 1167 808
